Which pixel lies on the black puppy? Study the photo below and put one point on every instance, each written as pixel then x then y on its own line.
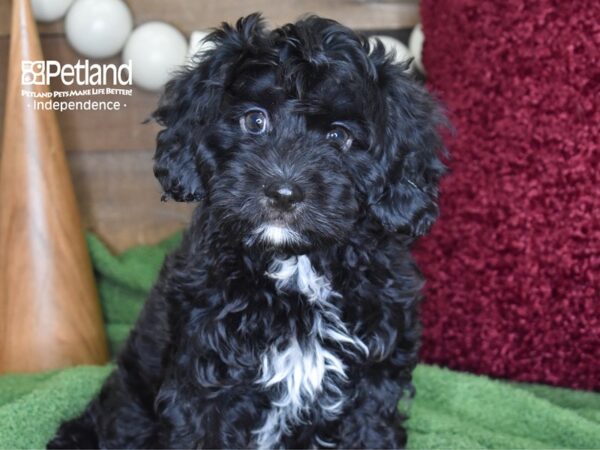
pixel 288 318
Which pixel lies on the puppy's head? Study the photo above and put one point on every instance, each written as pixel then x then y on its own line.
pixel 296 135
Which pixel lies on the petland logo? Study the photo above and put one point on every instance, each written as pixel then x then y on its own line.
pixel 81 73
pixel 82 80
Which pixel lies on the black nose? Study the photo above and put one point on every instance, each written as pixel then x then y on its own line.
pixel 284 195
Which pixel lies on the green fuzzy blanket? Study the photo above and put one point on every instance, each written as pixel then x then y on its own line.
pixel 452 410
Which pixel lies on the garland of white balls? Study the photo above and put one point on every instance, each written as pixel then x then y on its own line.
pixel 103 28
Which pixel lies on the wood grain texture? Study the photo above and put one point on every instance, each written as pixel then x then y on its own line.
pixel 3 80
pixel 120 198
pixel 49 310
pixel 190 15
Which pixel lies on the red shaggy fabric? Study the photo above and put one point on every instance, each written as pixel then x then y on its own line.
pixel 513 264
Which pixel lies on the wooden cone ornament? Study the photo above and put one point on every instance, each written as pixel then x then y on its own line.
pixel 50 315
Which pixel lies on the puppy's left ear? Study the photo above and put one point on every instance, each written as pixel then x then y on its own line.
pixel 178 144
pixel 405 200
pixel 190 106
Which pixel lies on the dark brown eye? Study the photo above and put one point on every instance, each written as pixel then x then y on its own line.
pixel 339 137
pixel 254 122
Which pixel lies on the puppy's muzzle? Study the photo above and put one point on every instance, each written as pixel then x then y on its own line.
pixel 284 195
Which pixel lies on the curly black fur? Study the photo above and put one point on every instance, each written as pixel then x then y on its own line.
pixel 190 373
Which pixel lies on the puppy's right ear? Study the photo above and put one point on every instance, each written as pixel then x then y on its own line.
pixel 190 105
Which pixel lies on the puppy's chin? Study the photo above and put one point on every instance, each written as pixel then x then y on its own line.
pixel 284 238
pixel 277 236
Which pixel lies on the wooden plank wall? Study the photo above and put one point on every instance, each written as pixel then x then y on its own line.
pixel 111 152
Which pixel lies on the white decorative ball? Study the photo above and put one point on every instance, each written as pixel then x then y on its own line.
pixel 198 44
pixel 392 45
pixel 415 44
pixel 98 28
pixel 155 49
pixel 49 10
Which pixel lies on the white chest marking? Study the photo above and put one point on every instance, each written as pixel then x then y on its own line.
pixel 307 372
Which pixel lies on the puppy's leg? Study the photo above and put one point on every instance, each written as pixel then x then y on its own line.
pixel 122 415
pixel 374 420
pixel 226 418
pixel 117 418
